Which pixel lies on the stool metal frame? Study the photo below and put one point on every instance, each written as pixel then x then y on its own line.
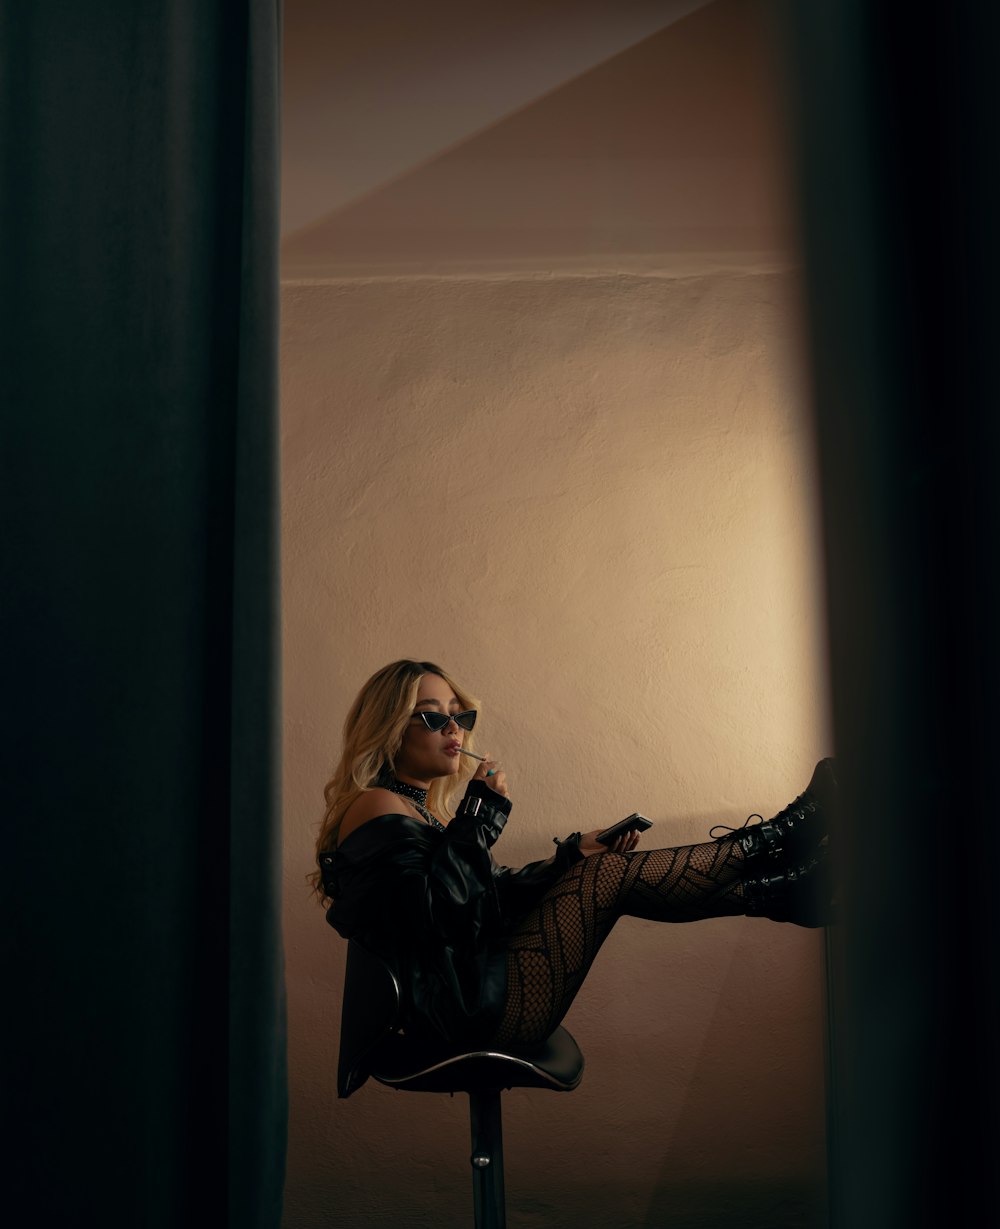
pixel 371 1043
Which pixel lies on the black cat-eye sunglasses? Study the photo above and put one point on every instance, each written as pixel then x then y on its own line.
pixel 437 721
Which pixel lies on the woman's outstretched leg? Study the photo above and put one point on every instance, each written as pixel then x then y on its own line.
pixel 776 869
pixel 553 946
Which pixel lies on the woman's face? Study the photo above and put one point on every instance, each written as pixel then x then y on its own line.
pixel 426 754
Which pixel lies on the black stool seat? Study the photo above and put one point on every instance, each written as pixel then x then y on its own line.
pixel 408 1063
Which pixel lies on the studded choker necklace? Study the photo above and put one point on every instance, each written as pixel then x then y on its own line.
pixel 387 780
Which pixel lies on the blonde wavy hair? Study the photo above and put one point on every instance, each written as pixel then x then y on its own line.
pixel 373 734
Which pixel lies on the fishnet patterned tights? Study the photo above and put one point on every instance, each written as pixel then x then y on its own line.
pixel 552 947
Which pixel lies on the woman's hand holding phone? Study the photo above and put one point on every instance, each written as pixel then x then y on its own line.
pixel 620 838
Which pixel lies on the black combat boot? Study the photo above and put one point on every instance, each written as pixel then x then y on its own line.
pixel 788 869
pixel 795 832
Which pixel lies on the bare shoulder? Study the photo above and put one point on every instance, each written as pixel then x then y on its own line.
pixel 370 805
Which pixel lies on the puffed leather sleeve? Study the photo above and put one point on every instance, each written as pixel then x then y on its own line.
pixel 459 898
pixel 425 900
pixel 396 870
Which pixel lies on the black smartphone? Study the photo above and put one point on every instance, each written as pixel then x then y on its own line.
pixel 631 823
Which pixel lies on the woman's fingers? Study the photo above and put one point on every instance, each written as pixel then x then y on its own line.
pixel 589 844
pixel 498 782
pixel 490 771
pixel 626 842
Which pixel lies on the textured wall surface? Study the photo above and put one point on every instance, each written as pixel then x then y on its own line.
pixel 592 499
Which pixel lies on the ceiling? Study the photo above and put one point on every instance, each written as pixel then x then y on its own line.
pixel 537 133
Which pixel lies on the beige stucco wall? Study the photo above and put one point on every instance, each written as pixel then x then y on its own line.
pixel 591 497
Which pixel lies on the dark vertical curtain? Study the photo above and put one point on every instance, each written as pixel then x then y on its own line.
pixel 143 1035
pixel 898 140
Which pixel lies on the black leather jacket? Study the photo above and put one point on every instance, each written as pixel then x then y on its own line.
pixel 436 907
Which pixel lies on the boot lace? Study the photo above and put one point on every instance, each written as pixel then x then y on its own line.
pixel 726 830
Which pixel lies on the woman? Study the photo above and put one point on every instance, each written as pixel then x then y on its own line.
pixel 484 953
